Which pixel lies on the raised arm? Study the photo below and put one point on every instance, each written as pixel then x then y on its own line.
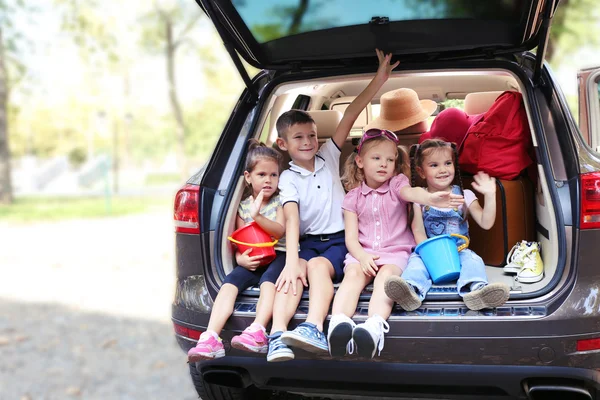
pixel 360 102
pixel 486 216
pixel 274 228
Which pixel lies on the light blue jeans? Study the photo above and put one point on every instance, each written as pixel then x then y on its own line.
pixel 472 272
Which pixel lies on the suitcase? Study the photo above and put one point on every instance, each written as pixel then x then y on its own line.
pixel 515 220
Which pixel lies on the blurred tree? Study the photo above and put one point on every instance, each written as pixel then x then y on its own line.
pixel 166 29
pixel 574 25
pixel 6 195
pixel 12 71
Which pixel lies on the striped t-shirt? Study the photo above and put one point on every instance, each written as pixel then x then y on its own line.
pixel 269 211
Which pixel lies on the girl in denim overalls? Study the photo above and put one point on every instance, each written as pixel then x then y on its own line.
pixel 435 162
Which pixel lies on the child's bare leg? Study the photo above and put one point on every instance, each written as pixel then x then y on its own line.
pixel 346 298
pixel 264 308
pixel 380 303
pixel 319 273
pixel 285 306
pixel 222 308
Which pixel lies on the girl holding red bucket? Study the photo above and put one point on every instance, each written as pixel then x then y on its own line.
pixel 263 208
pixel 377 237
pixel 435 161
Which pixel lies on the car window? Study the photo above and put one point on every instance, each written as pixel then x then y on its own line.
pixel 270 20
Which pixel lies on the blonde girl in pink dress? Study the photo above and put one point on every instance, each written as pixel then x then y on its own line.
pixel 378 238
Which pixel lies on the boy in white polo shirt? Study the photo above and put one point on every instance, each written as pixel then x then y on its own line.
pixel 312 195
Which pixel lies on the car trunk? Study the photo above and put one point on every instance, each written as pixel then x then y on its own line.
pixel 469 44
pixel 525 207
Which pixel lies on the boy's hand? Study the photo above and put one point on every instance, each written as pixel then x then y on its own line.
pixel 255 204
pixel 247 261
pixel 289 276
pixel 367 264
pixel 446 199
pixel 484 184
pixel 385 69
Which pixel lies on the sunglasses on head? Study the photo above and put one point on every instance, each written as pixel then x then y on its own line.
pixel 375 133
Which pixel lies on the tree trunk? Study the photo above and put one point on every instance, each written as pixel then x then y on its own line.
pixel 180 130
pixel 297 17
pixel 6 196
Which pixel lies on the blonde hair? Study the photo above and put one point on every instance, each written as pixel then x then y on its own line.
pixel 353 175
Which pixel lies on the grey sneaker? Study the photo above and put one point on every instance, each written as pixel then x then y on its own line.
pixel 397 289
pixel 492 295
pixel 339 335
pixel 368 337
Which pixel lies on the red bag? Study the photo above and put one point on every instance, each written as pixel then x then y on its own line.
pixel 499 144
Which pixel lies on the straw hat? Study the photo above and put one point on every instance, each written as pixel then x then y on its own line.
pixel 400 109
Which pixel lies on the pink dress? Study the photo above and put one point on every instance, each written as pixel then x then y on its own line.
pixel 382 222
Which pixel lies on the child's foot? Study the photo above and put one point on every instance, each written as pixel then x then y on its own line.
pixel 397 289
pixel 209 347
pixel 253 339
pixel 278 351
pixel 492 295
pixel 369 336
pixel 339 335
pixel 307 337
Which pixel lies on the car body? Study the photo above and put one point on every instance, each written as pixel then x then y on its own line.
pixel 544 342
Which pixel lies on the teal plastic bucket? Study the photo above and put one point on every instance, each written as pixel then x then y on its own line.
pixel 440 256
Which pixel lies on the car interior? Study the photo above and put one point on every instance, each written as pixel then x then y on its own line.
pixel 524 209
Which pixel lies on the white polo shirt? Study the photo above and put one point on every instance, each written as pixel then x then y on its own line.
pixel 319 194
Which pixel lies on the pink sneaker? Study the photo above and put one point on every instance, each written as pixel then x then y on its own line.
pixel 253 339
pixel 209 347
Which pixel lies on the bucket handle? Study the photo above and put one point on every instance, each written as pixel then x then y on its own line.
pixel 466 239
pixel 268 244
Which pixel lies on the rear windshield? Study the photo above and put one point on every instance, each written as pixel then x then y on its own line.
pixel 275 19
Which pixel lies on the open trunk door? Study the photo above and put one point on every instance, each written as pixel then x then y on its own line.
pixel 309 34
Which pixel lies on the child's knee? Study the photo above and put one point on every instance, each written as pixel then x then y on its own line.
pixel 318 265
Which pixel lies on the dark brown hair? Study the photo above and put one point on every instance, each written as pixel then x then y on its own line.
pixel 417 156
pixel 290 118
pixel 259 151
pixel 354 176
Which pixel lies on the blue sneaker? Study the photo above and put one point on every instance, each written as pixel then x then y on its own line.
pixel 277 350
pixel 307 337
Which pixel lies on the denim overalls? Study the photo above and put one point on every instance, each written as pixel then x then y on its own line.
pixel 439 222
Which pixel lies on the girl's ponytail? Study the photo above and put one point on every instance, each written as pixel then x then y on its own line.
pixel 353 176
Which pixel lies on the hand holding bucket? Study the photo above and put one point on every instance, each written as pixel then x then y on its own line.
pixel 440 256
pixel 252 236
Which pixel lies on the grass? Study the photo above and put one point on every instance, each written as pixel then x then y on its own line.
pixel 32 209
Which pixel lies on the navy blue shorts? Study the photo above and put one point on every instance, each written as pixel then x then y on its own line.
pixel 241 278
pixel 332 247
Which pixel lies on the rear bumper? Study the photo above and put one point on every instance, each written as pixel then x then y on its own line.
pixel 354 378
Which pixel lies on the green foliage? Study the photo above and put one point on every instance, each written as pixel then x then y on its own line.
pixel 35 209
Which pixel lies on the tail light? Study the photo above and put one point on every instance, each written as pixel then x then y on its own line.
pixel 590 200
pixel 186 209
pixel 186 332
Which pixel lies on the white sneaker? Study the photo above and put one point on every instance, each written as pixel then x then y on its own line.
pixel 514 259
pixel 368 337
pixel 339 335
pixel 533 267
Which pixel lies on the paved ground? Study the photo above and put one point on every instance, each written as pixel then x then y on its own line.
pixel 84 310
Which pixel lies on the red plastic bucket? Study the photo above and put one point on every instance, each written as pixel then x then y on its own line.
pixel 252 236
